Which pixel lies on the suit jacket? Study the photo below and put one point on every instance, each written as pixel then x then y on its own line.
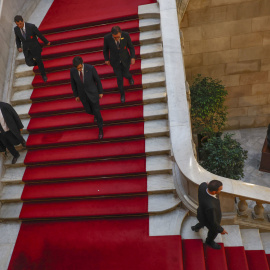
pixel 13 122
pixel 90 88
pixel 31 42
pixel 124 54
pixel 209 212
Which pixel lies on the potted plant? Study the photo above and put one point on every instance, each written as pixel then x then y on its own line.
pixel 224 157
pixel 208 112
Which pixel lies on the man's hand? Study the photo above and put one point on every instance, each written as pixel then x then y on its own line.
pixel 224 232
pixel 77 99
pixel 48 44
pixel 132 62
pixel 100 95
pixel 20 49
pixel 107 63
pixel 21 129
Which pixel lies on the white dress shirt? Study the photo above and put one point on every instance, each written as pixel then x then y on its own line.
pixel 3 123
pixel 215 196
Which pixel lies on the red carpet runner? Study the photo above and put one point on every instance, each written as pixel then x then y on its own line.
pixel 71 177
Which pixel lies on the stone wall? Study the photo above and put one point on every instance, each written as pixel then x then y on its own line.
pixel 10 8
pixel 230 40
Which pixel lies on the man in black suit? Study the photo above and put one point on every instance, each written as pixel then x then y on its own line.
pixel 209 212
pixel 26 36
pixel 87 88
pixel 119 52
pixel 10 130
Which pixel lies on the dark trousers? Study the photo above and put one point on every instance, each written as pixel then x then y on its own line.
pixel 29 60
pixel 211 234
pixel 8 139
pixel 120 72
pixel 95 110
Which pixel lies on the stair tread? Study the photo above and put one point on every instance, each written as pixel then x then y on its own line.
pixel 82 46
pixel 91 32
pixel 236 258
pixel 98 169
pixel 97 151
pixel 251 239
pixel 257 260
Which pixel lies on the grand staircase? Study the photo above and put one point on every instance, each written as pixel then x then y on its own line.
pixel 74 202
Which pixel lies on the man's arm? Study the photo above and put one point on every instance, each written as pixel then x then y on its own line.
pixel 37 32
pixel 73 85
pixel 18 41
pixel 106 50
pixel 98 82
pixel 131 47
pixel 15 116
pixel 212 221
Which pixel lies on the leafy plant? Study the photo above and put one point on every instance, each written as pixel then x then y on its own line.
pixel 208 112
pixel 224 157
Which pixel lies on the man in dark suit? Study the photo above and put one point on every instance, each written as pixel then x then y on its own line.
pixel 26 36
pixel 119 52
pixel 209 212
pixel 87 88
pixel 10 130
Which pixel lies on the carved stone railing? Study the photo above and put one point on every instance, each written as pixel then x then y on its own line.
pixel 237 198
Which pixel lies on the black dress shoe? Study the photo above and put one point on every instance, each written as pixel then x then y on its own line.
pixel 100 135
pixel 44 77
pixel 122 98
pixel 193 228
pixel 14 160
pixel 131 81
pixel 213 245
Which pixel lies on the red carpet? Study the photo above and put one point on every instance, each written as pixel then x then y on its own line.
pixel 91 32
pixel 70 104
pixel 257 260
pixel 88 13
pixel 49 52
pixel 236 258
pixel 193 254
pixel 116 132
pixel 76 185
pixel 86 152
pixel 93 188
pixel 215 259
pixel 93 58
pixel 89 170
pixel 104 244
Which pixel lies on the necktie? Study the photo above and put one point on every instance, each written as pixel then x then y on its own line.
pixel 81 76
pixel 23 34
pixel 118 44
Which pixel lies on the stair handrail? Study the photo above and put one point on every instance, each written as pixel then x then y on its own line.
pixel 188 174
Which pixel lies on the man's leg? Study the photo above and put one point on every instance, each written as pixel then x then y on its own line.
pixel 29 59
pixel 40 66
pixel 9 145
pixel 210 239
pixel 119 76
pixel 127 74
pixel 197 227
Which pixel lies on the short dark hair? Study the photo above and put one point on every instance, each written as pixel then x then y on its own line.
pixel 115 30
pixel 18 18
pixel 77 60
pixel 214 185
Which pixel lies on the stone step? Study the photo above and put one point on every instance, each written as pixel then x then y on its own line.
pixel 233 238
pixel 251 239
pixel 265 238
pixel 21 97
pixel 168 223
pixel 156 128
pixel 150 37
pixel 14 175
pixel 23 83
pixel 156 184
pixel 149 24
pixel 157 204
pixel 153 146
pixel 149 11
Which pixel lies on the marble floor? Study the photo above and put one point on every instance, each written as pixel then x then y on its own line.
pixel 252 140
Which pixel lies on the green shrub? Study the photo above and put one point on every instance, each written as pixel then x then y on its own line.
pixel 224 157
pixel 208 112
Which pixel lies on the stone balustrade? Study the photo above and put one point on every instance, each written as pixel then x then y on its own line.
pixel 237 196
